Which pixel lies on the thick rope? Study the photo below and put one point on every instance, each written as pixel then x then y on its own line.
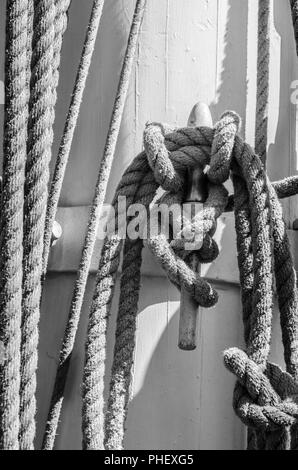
pixel 259 203
pixel 262 79
pixel 261 194
pixel 40 137
pixel 258 342
pixel 71 120
pixel 294 10
pixel 95 211
pixel 94 371
pixel 286 287
pixel 11 241
pixel 245 265
pixel 285 188
pixel 124 345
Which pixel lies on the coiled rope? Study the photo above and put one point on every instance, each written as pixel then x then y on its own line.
pixel 12 201
pixel 40 136
pixel 166 158
pixel 95 211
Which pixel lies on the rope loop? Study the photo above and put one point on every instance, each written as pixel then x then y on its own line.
pixel 264 400
pixel 197 233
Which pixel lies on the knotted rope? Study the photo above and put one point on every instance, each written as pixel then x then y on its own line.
pixel 167 157
pixel 12 200
pixel 254 404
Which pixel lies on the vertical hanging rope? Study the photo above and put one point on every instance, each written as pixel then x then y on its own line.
pixel 95 211
pixel 37 175
pixel 137 183
pixel 294 10
pixel 60 26
pixel 262 79
pixel 245 265
pixel 124 350
pixel 11 241
pixel 70 126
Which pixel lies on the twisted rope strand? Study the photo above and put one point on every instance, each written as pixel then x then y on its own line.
pixel 124 345
pixel 37 175
pixel 71 120
pixel 260 330
pixel 262 79
pixel 95 211
pixel 245 264
pixel 286 282
pixel 12 197
pixel 60 25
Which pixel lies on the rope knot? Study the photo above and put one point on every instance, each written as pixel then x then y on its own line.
pixel 159 157
pixel 266 400
pixel 170 153
pixel 222 146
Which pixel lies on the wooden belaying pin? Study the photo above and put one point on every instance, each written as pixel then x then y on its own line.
pixel 196 193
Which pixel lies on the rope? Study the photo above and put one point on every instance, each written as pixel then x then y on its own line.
pixel 60 25
pixel 71 121
pixel 37 175
pixel 95 211
pixel 262 79
pixel 11 241
pixel 167 157
pixel 294 10
pixel 263 203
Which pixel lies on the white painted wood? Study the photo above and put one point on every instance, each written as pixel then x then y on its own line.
pixel 189 51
